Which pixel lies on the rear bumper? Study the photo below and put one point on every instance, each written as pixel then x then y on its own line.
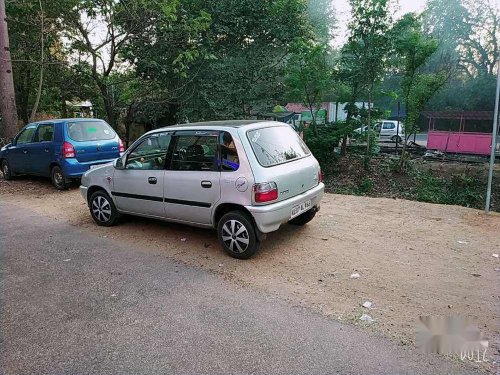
pixel 270 217
pixel 73 168
pixel 83 192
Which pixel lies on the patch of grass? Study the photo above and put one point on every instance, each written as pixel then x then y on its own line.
pixel 364 187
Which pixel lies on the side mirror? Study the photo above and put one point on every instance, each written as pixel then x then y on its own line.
pixel 119 163
pixel 12 141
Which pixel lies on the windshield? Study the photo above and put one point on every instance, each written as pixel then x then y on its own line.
pixel 276 145
pixel 81 131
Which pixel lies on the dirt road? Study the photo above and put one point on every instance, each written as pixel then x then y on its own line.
pixel 414 259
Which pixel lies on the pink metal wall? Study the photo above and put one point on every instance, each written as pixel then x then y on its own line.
pixel 463 143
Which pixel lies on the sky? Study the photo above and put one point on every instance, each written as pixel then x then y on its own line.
pixel 343 9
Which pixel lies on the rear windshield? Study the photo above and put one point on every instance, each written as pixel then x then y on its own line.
pixel 90 131
pixel 276 145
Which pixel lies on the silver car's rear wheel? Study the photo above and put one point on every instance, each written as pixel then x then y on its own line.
pixel 102 209
pixel 237 235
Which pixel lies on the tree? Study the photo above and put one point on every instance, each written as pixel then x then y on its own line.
pixel 368 45
pixel 413 51
pixel 309 77
pixel 7 97
pixel 37 53
pixel 468 35
pixel 219 58
pixel 470 29
pixel 102 49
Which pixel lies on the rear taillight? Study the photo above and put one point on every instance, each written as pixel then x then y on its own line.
pixel 68 151
pixel 320 175
pixel 265 192
pixel 122 146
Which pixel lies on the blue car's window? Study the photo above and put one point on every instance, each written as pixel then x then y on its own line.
pixel 45 133
pixel 81 131
pixel 26 135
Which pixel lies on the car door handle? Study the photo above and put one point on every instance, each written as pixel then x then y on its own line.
pixel 206 184
pixel 46 150
pixel 25 151
pixel 152 180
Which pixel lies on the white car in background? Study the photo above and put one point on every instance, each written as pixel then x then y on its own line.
pixel 386 129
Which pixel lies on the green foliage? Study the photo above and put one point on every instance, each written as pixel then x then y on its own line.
pixel 322 143
pixel 309 76
pixel 364 187
pixel 365 54
pixel 461 189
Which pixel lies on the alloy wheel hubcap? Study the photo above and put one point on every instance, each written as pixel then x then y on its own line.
pixel 58 177
pixel 101 209
pixel 235 236
pixel 5 169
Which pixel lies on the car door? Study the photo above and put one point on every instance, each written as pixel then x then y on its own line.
pixel 138 188
pixel 192 179
pixel 19 153
pixel 388 129
pixel 42 149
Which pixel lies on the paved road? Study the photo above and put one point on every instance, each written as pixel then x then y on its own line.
pixel 75 303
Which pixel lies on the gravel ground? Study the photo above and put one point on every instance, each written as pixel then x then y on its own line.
pixel 414 259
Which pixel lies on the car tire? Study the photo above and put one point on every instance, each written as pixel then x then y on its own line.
pixel 237 235
pixel 396 138
pixel 58 178
pixel 102 209
pixel 304 218
pixel 6 171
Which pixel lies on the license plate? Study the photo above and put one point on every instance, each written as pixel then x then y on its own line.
pixel 300 208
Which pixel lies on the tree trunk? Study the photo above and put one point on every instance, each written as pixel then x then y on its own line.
pixel 64 107
pixel 108 104
pixel 368 133
pixel 40 80
pixel 127 122
pixel 7 93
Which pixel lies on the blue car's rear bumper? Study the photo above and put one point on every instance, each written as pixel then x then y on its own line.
pixel 73 168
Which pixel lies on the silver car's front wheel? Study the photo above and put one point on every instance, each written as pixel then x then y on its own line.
pixel 237 235
pixel 102 209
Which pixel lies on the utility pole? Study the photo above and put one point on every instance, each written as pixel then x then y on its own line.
pixel 7 95
pixel 493 142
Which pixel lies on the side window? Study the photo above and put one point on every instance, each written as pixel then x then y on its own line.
pixel 26 135
pixel 195 153
pixel 389 125
pixel 150 154
pixel 229 160
pixel 45 133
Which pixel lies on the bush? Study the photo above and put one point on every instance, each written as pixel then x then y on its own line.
pixel 461 189
pixel 323 144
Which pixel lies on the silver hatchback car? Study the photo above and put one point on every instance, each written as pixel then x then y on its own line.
pixel 244 178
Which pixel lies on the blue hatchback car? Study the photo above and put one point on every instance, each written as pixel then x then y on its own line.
pixel 61 149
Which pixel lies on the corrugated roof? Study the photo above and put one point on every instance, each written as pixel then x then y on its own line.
pixel 299 107
pixel 457 115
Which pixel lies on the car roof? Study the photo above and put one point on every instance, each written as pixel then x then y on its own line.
pixel 76 119
pixel 219 125
pixel 209 124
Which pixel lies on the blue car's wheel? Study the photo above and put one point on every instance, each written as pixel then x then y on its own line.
pixel 7 173
pixel 58 179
